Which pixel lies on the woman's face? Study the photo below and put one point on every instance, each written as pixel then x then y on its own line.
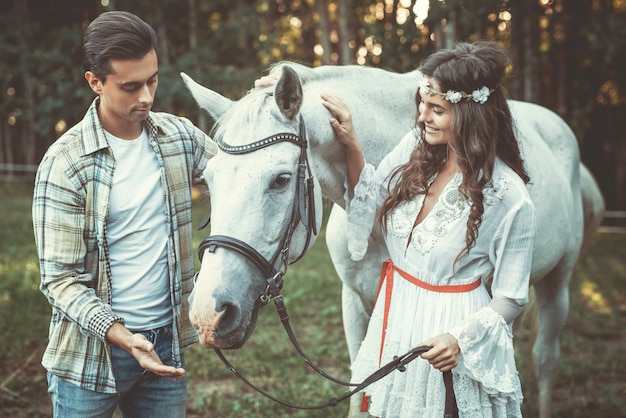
pixel 435 112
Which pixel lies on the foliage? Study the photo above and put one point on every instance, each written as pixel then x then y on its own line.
pixel 208 35
pixel 24 312
pixel 312 294
pixel 591 379
pixel 574 61
pixel 23 309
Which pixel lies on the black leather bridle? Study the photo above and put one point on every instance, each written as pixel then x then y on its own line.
pixel 303 211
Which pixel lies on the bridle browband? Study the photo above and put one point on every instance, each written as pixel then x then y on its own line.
pixel 303 211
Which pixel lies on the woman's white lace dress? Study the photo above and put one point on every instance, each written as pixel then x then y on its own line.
pixel 486 382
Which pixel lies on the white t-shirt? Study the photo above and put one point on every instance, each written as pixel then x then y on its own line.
pixel 137 236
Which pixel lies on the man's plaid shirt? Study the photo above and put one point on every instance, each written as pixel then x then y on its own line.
pixel 70 207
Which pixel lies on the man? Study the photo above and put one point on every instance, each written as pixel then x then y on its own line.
pixel 112 221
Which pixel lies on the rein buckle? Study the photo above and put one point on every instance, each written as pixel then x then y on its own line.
pixel 272 289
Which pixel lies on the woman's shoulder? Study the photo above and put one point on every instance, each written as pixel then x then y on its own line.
pixel 506 186
pixel 410 140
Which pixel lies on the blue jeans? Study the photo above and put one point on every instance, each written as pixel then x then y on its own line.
pixel 141 394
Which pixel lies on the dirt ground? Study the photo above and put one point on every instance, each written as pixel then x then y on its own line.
pixel 23 392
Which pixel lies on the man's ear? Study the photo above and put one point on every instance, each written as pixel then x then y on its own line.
pixel 94 82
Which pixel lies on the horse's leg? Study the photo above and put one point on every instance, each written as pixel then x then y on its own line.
pixel 552 296
pixel 593 206
pixel 359 281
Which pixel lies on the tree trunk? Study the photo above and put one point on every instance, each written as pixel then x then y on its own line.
pixel 324 26
pixel 24 124
pixel 193 25
pixel 345 53
pixel 452 34
pixel 27 131
pixel 165 102
pixel 193 45
pixel 446 32
pixel 3 136
pixel 8 148
pixel 531 53
pixel 516 89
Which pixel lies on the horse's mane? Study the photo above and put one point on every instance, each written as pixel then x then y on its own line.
pixel 325 72
pixel 242 116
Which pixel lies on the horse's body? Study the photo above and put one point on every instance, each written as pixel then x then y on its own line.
pixel 252 196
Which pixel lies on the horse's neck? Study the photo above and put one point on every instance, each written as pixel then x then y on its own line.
pixel 383 110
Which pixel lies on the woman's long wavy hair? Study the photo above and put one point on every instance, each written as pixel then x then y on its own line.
pixel 482 132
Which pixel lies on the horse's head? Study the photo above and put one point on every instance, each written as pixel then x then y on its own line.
pixel 266 205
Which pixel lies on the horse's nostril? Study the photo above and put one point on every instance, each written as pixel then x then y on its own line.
pixel 230 316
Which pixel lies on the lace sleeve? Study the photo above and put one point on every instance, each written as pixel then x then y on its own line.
pixel 369 192
pixel 361 209
pixel 487 356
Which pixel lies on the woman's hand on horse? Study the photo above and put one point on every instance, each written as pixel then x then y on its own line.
pixel 341 122
pixel 267 80
pixel 444 353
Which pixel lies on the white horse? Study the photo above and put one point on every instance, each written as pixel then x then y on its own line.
pixel 253 194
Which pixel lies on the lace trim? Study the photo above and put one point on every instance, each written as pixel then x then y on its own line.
pixel 361 208
pixel 487 354
pixel 419 392
pixel 451 207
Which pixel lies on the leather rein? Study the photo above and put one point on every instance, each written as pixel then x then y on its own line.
pixel 303 211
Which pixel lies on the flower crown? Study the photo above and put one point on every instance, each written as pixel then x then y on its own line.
pixel 479 95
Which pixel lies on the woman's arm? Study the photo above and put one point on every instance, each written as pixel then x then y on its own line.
pixel 341 122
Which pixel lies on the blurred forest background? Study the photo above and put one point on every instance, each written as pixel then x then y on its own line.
pixel 569 55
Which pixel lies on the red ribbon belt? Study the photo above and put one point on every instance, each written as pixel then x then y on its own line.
pixel 387 273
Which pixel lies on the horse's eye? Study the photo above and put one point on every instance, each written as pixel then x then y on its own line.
pixel 281 180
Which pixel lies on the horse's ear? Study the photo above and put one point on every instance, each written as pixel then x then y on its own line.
pixel 207 99
pixel 288 93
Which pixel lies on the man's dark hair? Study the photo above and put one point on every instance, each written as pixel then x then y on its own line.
pixel 115 35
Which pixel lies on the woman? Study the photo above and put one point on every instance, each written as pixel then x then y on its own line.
pixel 453 207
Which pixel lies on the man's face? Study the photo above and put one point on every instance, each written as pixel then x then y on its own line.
pixel 127 95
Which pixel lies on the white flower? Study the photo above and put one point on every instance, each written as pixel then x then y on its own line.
pixel 453 96
pixel 424 85
pixel 481 95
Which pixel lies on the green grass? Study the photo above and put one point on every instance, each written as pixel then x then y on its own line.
pixel 312 294
pixel 24 312
pixel 591 379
